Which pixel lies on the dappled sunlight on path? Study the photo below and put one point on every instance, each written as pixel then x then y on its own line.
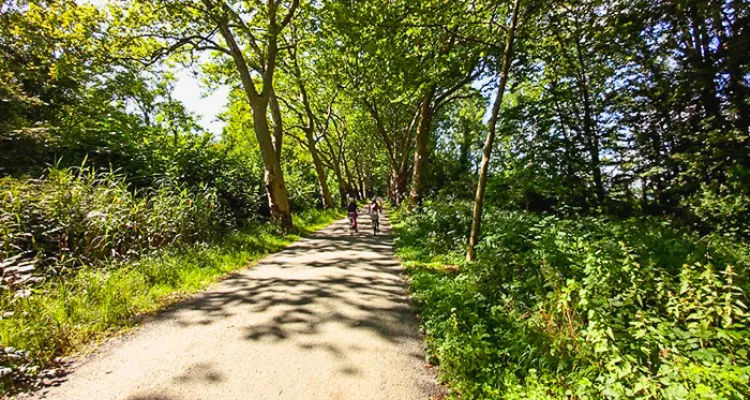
pixel 327 318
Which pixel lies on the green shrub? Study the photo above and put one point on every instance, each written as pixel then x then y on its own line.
pixel 581 308
pixel 724 208
pixel 144 157
pixel 69 219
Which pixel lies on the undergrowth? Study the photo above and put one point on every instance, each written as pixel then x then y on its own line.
pixel 75 217
pixel 62 315
pixel 582 308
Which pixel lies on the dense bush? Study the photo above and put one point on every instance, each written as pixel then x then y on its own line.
pixel 144 157
pixel 79 217
pixel 582 308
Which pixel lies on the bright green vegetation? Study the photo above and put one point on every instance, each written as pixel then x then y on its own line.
pixel 586 307
pixel 590 159
pixel 63 314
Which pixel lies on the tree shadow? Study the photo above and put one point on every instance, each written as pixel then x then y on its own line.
pixel 329 280
pixel 349 272
pixel 152 397
pixel 200 373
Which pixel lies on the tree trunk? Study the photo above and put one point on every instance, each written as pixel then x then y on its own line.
pixel 390 191
pixel 360 181
pixel 464 152
pixel 421 153
pixel 342 194
pixel 350 182
pixel 489 143
pixel 700 59
pixel 592 137
pixel 593 148
pixel 278 201
pixel 278 127
pixel 399 177
pixel 273 175
pixel 325 192
pixel 369 186
pixel 336 168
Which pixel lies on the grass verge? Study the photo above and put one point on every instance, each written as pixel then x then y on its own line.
pixel 61 316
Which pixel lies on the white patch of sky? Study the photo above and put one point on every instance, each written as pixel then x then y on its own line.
pixel 485 84
pixel 188 89
pixel 205 104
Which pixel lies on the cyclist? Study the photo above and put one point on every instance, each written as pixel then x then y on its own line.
pixel 352 210
pixel 375 214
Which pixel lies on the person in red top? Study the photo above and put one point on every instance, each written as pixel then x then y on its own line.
pixel 375 215
pixel 352 210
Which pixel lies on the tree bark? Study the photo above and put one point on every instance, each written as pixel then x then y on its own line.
pixel 593 147
pixel 360 180
pixel 325 191
pixel 278 201
pixel 421 152
pixel 350 181
pixel 278 127
pixel 309 133
pixel 333 161
pixel 464 152
pixel 489 143
pixel 342 186
pixel 699 58
pixel 398 154
pixel 592 137
pixel 399 177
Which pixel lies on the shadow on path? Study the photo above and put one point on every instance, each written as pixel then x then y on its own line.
pixel 328 317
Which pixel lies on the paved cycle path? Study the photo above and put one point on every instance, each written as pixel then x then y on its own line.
pixel 327 318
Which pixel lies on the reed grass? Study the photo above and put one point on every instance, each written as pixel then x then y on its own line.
pixel 101 256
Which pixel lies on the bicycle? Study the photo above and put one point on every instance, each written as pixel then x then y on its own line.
pixel 375 223
pixel 352 223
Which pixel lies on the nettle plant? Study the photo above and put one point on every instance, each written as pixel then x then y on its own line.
pixel 660 336
pixel 586 308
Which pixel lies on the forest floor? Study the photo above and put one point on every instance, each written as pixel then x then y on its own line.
pixel 327 318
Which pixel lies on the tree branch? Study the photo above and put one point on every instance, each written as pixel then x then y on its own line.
pixel 246 29
pixel 290 14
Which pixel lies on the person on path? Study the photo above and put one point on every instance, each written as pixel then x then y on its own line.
pixel 375 208
pixel 352 210
pixel 375 215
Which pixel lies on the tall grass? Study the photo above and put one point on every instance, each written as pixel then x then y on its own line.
pixel 83 255
pixel 94 302
pixel 76 217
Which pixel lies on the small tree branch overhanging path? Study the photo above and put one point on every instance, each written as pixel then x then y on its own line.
pixel 327 318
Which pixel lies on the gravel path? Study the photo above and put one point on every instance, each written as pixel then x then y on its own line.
pixel 327 318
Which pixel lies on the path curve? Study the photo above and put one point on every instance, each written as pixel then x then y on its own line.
pixel 327 318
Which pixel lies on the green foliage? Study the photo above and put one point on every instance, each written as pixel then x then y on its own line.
pixel 73 218
pixel 97 300
pixel 66 98
pixel 47 55
pixel 724 207
pixel 614 108
pixel 582 308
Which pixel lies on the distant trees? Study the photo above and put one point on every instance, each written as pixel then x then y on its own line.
pixel 602 106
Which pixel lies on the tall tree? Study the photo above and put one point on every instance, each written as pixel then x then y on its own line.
pixel 244 34
pixel 507 59
pixel 314 126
